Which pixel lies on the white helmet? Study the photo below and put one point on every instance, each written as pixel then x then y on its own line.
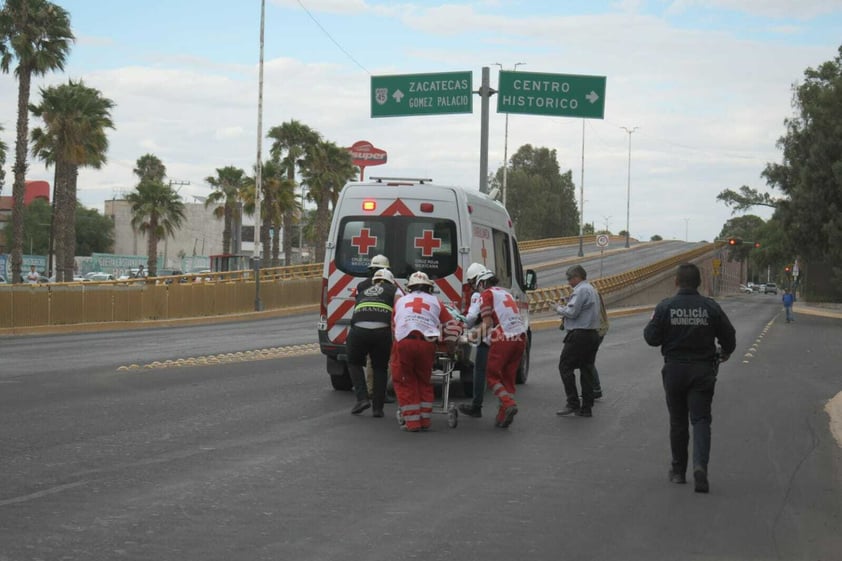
pixel 419 278
pixel 383 274
pixel 379 262
pixel 486 276
pixel 474 271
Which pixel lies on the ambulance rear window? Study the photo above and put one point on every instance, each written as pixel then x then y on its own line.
pixel 411 243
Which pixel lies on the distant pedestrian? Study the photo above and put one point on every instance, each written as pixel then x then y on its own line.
pixel 580 315
pixel 32 277
pixel 687 327
pixel 788 300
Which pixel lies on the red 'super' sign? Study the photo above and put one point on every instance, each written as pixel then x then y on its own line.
pixel 364 154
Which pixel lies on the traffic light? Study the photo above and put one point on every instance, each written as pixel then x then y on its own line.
pixel 787 269
pixel 734 241
pixel 756 245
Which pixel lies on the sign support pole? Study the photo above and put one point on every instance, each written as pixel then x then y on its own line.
pixel 485 93
pixel 582 200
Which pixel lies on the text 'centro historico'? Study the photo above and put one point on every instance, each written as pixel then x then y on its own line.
pixel 421 94
pixel 561 95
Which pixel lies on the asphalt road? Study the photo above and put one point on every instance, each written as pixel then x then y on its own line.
pixel 259 459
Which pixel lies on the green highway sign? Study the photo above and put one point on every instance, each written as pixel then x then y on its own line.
pixel 401 95
pixel 558 95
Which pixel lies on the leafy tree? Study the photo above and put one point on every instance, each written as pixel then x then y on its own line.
pixel 36 227
pixel 747 198
pixel 73 136
pixel 227 194
pixel 656 238
pixel 325 169
pixel 157 212
pixel 810 175
pixel 94 231
pixel 540 199
pixel 150 168
pixel 587 229
pixel 746 228
pixel 291 142
pixel 37 34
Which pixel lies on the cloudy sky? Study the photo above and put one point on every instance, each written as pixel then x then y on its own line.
pixel 708 83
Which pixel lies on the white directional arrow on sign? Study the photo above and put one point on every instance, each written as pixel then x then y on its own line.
pixel 593 97
pixel 398 95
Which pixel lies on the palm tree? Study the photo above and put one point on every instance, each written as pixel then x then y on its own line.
pixel 75 118
pixel 2 162
pixel 36 33
pixel 228 190
pixel 291 140
pixel 150 167
pixel 158 212
pixel 325 170
pixel 280 191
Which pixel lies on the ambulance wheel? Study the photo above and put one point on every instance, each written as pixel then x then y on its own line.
pixel 341 382
pixel 452 416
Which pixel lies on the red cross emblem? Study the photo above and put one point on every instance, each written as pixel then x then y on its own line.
pixel 417 305
pixel 510 303
pixel 427 243
pixel 364 242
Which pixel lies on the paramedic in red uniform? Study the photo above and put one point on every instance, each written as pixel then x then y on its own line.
pixel 420 320
pixel 506 334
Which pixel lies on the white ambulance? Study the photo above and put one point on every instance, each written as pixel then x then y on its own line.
pixel 419 226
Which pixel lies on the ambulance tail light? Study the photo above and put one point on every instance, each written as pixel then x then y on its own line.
pixel 427 207
pixel 369 205
pixel 470 209
pixel 323 305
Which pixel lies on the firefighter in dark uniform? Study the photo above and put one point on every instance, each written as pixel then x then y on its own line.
pixel 687 327
pixel 371 336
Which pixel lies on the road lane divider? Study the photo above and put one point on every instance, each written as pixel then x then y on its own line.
pixel 226 358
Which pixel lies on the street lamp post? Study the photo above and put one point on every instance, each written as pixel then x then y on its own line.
pixel 628 184
pixel 506 139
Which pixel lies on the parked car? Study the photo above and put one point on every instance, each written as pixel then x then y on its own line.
pixel 745 288
pixel 770 288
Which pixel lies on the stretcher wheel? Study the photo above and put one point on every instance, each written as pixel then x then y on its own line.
pixel 452 416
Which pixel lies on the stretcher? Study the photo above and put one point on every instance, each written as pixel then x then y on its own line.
pixel 443 366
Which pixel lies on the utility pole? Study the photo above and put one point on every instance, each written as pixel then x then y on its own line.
pixel 506 140
pixel 628 185
pixel 258 180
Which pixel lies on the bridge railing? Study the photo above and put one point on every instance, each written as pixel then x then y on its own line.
pixel 215 294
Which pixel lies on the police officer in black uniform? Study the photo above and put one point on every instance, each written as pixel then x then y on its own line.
pixel 686 327
pixel 371 335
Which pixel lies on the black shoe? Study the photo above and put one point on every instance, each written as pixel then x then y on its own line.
pixel 584 412
pixel 568 410
pixel 676 477
pixel 700 476
pixel 597 395
pixel 388 399
pixel 377 413
pixel 470 410
pixel 360 407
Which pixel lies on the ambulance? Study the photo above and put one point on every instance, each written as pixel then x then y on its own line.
pixel 419 226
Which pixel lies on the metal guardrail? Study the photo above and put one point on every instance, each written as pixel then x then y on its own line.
pixel 546 243
pixel 544 299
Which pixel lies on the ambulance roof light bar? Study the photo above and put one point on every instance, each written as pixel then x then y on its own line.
pixel 421 180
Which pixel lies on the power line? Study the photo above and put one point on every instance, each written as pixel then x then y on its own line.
pixel 329 36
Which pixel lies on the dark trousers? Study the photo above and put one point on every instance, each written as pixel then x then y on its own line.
pixel 479 374
pixel 593 372
pixel 689 391
pixel 376 343
pixel 579 351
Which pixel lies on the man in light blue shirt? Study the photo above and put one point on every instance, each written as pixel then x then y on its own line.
pixel 580 314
